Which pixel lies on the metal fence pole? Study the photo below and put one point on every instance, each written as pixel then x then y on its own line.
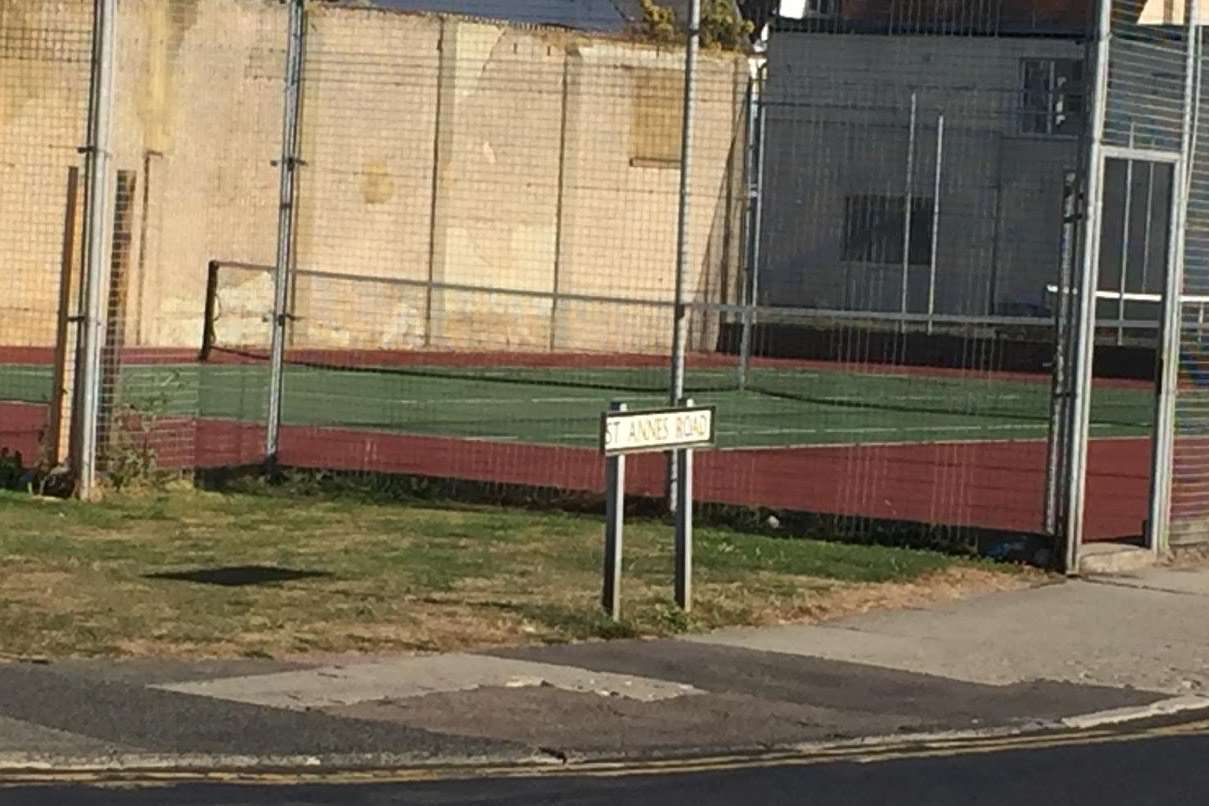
pixel 1146 233
pixel 757 241
pixel 558 206
pixel 1083 307
pixel 755 192
pixel 907 194
pixel 1172 320
pixel 1060 379
pixel 92 331
pixel 940 153
pixel 1122 280
pixel 680 316
pixel 749 170
pixel 285 224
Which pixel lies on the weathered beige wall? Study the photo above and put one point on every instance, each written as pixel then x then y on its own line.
pixel 497 184
pixel 365 192
pixel 436 150
pixel 621 190
pixel 199 93
pixel 44 79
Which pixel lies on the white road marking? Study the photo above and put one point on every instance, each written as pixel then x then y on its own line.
pixel 1116 716
pixel 417 676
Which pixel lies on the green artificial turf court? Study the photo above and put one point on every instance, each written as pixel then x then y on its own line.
pixel 780 407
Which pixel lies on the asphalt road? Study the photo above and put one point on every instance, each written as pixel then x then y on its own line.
pixel 1161 765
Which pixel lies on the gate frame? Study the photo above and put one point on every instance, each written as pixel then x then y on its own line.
pixel 1171 328
pixel 1075 440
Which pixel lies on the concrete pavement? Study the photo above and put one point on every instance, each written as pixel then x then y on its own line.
pixel 1076 653
pixel 1148 630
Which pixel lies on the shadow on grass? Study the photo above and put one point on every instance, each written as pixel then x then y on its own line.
pixel 239 575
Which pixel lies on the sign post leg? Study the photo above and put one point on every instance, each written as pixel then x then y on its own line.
pixel 684 530
pixel 684 527
pixel 614 526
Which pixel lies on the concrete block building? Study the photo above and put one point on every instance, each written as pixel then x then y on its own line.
pixel 922 158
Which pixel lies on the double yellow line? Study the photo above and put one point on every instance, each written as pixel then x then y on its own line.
pixel 852 754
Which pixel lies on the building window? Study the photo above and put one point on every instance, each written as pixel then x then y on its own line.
pixel 1051 97
pixel 873 229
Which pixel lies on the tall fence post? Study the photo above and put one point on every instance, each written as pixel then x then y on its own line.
pixel 755 193
pixel 908 197
pixel 680 315
pixel 940 155
pixel 1060 375
pixel 1126 223
pixel 1171 330
pixel 1083 306
pixel 560 197
pixel 92 327
pixel 285 224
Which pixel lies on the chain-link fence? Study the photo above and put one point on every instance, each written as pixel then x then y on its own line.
pixel 916 167
pixel 198 136
pixel 1132 339
pixel 342 238
pixel 482 247
pixel 45 57
pixel 1189 506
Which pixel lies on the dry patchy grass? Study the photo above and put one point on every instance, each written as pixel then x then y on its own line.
pixel 189 573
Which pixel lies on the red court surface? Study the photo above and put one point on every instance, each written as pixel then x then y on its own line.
pixel 990 485
pixel 21 426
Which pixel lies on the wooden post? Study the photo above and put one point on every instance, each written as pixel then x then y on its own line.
pixel 55 441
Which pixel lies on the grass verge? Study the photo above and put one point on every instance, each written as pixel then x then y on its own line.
pixel 192 573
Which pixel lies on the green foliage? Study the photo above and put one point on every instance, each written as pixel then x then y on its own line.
pixel 659 23
pixel 130 455
pixel 722 27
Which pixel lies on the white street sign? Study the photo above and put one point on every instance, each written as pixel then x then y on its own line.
pixel 661 430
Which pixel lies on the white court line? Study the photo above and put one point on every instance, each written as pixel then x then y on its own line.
pixel 768 431
pixel 913 398
pixel 801 446
pixel 467 401
pixel 565 399
pixel 865 430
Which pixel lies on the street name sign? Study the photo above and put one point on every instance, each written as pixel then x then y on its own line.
pixel 623 432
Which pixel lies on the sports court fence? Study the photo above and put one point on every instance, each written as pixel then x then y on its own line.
pixel 929 255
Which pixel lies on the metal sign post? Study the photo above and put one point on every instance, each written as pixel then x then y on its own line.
pixel 684 527
pixel 614 524
pixel 623 432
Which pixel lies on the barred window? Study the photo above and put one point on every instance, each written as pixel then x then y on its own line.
pixel 1051 96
